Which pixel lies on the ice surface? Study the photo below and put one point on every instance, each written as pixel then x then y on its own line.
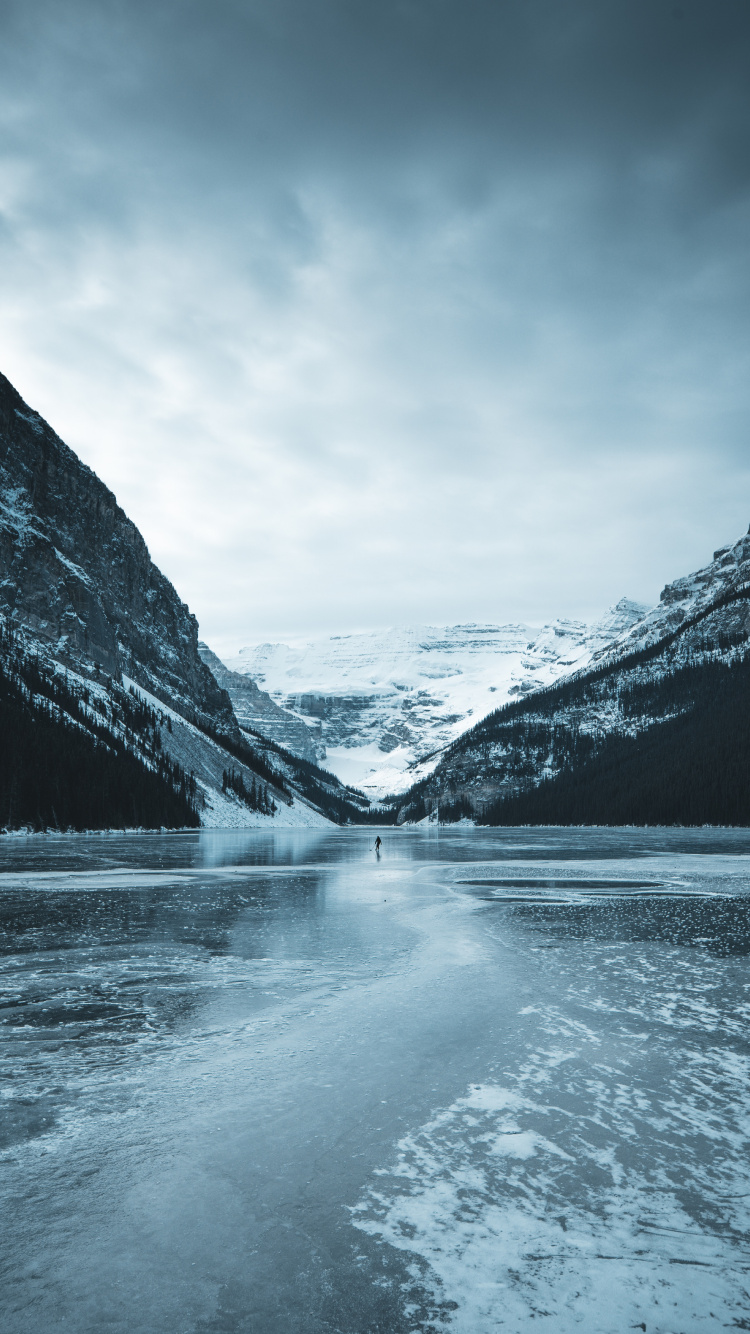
pixel 270 1082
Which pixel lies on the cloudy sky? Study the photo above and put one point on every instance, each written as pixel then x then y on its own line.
pixel 383 312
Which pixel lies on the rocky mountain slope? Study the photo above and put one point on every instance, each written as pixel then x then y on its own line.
pixel 689 767
pixel 88 624
pixel 726 576
pixel 660 673
pixel 256 712
pixel 383 700
pixel 77 755
pixel 76 573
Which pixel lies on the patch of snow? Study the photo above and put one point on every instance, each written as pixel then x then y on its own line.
pixel 16 513
pixel 74 569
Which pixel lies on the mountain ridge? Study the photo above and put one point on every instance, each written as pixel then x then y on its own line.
pixel 255 711
pixel 77 573
pixel 98 648
pixel 647 679
pixel 383 700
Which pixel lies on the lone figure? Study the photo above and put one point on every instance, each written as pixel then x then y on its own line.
pixel 378 843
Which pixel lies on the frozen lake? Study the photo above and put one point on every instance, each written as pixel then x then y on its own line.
pixel 495 1080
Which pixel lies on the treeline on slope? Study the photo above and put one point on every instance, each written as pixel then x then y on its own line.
pixel 527 745
pixel 417 808
pixel 552 723
pixel 321 789
pixel 255 797
pixel 692 769
pixel 583 686
pixel 386 813
pixel 326 794
pixel 63 767
pixel 318 786
pixel 250 757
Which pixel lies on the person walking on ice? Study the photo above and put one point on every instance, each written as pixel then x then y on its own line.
pixel 378 844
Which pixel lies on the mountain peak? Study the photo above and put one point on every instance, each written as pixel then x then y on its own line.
pixel 77 574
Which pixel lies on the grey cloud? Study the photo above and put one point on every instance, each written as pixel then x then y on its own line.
pixel 350 255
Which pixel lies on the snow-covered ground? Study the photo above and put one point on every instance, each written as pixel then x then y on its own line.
pixel 388 698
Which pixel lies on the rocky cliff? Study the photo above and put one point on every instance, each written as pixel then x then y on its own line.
pixel 96 645
pixel 688 599
pixel 256 712
pixel 76 573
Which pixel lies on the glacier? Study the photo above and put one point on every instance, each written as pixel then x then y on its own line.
pixel 383 702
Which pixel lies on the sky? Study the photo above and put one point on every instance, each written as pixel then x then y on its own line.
pixel 388 312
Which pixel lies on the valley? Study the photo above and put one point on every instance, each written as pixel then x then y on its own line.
pixel 378 703
pixel 103 672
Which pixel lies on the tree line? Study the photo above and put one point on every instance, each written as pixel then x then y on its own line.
pixel 62 766
pixel 255 797
pixel 691 769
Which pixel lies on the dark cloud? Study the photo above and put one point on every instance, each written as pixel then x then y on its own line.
pixel 442 288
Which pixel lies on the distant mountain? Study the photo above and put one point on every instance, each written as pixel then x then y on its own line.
pixel 383 700
pixel 256 712
pixel 108 713
pixel 654 730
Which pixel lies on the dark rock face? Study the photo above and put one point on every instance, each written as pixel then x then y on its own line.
pixel 254 709
pixel 348 719
pixel 76 573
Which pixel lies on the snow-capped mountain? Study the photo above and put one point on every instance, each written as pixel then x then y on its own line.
pixel 685 599
pixel 99 656
pixel 379 701
pixel 256 712
pixel 653 727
